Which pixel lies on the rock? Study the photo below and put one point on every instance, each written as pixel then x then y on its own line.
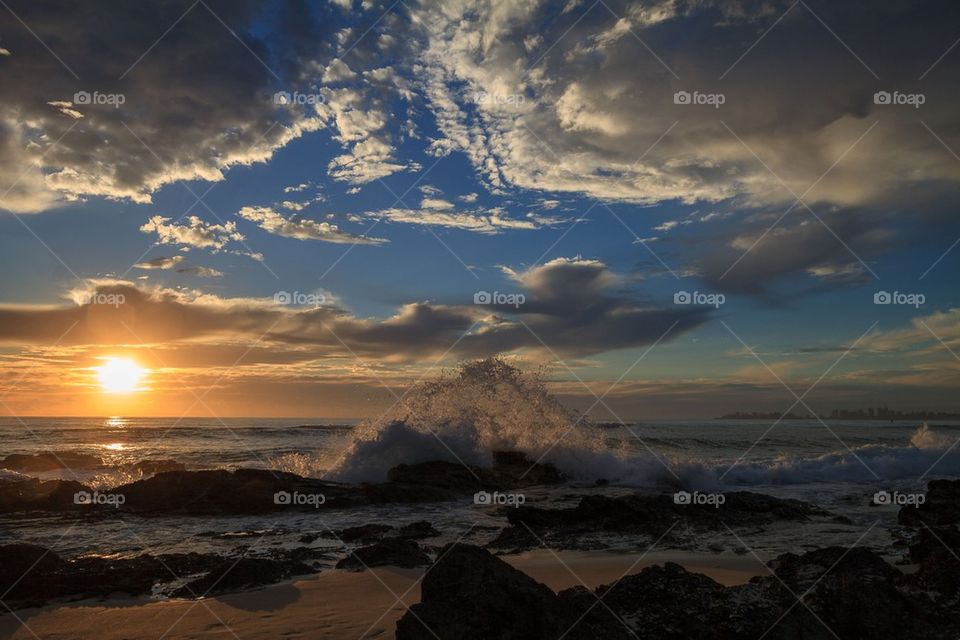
pixel 153 467
pixel 39 495
pixel 941 507
pixel 233 575
pixel 937 551
pixel 470 594
pixel 389 552
pixel 847 593
pixel 671 603
pixel 440 480
pixel 50 461
pixel 649 515
pixel 415 531
pixel 31 575
pixel 365 534
pixel 244 491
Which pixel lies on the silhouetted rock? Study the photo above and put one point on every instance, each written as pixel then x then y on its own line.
pixel 31 575
pixel 50 461
pixel 153 467
pixel 244 491
pixel 39 495
pixel 845 593
pixel 647 514
pixel 365 534
pixel 941 507
pixel 669 602
pixel 388 552
pixel 470 594
pixel 415 531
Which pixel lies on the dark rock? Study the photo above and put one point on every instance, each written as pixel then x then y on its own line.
pixel 50 461
pixel 365 534
pixel 153 467
pixel 670 602
pixel 470 594
pixel 415 531
pixel 846 593
pixel 650 515
pixel 244 491
pixel 233 575
pixel 389 552
pixel 31 575
pixel 39 495
pixel 941 507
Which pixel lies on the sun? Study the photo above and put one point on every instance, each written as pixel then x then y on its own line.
pixel 120 375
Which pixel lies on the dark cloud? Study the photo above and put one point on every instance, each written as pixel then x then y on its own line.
pixel 576 319
pixel 198 98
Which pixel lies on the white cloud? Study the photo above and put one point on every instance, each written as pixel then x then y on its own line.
pixel 301 228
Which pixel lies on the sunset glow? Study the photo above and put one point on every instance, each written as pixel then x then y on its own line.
pixel 120 375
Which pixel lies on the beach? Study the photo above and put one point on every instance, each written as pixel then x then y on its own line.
pixel 332 605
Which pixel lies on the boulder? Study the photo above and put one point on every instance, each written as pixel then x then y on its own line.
pixel 941 507
pixel 389 552
pixel 470 594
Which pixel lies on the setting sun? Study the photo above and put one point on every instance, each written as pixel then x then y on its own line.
pixel 120 375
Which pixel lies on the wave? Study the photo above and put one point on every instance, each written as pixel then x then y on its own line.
pixel 489 405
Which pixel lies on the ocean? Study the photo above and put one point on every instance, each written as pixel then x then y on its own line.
pixel 838 465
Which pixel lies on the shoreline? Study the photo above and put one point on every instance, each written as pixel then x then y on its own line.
pixel 334 604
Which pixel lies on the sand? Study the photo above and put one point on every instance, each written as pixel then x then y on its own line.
pixel 334 604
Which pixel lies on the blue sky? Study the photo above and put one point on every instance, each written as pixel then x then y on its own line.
pixel 429 153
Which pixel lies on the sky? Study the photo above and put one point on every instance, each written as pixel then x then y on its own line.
pixel 671 208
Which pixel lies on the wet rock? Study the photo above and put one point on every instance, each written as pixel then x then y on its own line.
pixel 153 467
pixel 470 594
pixel 415 531
pixel 32 575
pixel 389 552
pixel 50 461
pixel 364 534
pixel 854 593
pixel 649 515
pixel 39 495
pixel 941 507
pixel 244 491
pixel 228 575
pixel 670 602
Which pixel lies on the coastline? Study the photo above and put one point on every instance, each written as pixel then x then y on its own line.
pixel 334 604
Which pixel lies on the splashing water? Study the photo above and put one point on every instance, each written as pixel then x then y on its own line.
pixel 466 415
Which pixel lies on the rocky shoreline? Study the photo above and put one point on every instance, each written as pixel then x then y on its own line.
pixel 468 592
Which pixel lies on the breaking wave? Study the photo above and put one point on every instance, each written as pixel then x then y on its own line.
pixel 489 405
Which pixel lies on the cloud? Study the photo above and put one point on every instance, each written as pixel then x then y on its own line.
pixel 301 228
pixel 202 272
pixel 441 213
pixel 160 263
pixel 128 117
pixel 570 306
pixel 588 110
pixel 193 233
